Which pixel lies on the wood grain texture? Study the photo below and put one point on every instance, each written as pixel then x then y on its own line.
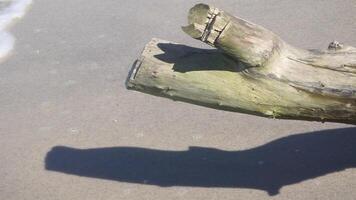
pixel 252 71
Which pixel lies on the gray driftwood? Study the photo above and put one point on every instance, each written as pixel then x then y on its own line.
pixel 251 71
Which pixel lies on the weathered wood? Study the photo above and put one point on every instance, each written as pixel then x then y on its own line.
pixel 253 71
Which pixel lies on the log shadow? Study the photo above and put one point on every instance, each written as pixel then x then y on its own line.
pixel 269 167
pixel 186 59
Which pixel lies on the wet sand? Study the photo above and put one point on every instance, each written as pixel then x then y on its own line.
pixel 70 130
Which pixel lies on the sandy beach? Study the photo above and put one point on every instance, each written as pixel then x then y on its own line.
pixel 71 130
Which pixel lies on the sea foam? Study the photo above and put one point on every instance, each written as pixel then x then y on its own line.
pixel 10 11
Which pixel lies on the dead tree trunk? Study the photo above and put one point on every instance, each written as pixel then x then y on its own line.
pixel 252 71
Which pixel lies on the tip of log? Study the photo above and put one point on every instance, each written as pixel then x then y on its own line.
pixel 198 14
pixel 204 24
pixel 197 20
pixel 132 73
pixel 130 80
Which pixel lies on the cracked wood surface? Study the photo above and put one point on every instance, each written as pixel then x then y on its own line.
pixel 252 71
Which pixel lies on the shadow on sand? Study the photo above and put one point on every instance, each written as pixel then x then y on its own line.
pixel 269 167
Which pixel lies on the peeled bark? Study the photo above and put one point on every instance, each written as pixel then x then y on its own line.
pixel 252 71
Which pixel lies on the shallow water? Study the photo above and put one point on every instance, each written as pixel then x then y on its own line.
pixel 10 11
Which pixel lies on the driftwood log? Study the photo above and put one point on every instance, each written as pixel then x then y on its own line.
pixel 251 71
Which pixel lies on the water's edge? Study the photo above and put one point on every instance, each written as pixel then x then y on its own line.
pixel 10 11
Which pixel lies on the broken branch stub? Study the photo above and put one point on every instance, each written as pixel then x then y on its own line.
pixel 253 72
pixel 242 40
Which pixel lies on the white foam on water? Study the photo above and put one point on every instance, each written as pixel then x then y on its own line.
pixel 14 9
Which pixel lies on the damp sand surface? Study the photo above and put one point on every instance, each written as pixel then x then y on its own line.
pixel 69 129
